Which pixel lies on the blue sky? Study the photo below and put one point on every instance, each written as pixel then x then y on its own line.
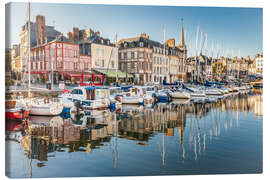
pixel 229 30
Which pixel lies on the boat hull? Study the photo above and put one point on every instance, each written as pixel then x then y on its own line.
pixel 16 115
pixel 96 104
pixel 180 96
pixel 48 110
pixel 131 100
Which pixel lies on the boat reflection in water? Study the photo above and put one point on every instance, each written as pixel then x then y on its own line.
pixel 180 137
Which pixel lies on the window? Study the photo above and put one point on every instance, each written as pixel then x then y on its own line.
pixel 59 52
pixel 141 55
pixel 112 55
pixel 85 66
pixel 96 62
pixel 97 51
pixel 135 55
pixel 60 65
pixel 128 55
pixel 122 55
pixel 75 65
pixel 132 55
pixel 141 44
pixel 102 52
pixel 75 53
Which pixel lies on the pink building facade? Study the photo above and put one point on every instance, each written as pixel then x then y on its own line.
pixel 60 57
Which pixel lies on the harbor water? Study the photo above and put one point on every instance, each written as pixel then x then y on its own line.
pixel 183 137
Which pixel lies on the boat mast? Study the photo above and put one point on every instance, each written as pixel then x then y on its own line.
pixel 109 63
pixel 164 32
pixel 52 58
pixel 29 48
pixel 116 79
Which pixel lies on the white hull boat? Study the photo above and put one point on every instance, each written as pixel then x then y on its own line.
pixel 96 104
pixel 213 92
pixel 131 100
pixel 180 95
pixel 45 107
pixel 198 94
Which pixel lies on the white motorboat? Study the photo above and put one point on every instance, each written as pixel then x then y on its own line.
pixel 128 98
pixel 133 96
pixel 90 97
pixel 197 92
pixel 45 107
pixel 213 92
pixel 180 94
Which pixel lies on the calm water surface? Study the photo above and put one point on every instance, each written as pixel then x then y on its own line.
pixel 168 139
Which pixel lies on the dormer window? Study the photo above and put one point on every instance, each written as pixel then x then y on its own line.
pixel 141 44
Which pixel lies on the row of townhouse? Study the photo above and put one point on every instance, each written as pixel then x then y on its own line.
pixel 68 59
pixel 151 61
pixel 84 50
pixel 50 51
pixel 203 68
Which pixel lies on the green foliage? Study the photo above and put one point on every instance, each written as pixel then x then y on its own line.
pixel 42 79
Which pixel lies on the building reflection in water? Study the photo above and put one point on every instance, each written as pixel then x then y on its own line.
pixel 44 136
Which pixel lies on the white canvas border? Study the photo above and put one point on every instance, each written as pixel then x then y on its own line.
pixel 219 3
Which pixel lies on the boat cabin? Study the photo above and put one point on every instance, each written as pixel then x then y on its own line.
pixel 89 93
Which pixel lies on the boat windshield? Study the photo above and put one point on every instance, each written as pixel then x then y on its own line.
pixel 149 89
pixel 76 91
